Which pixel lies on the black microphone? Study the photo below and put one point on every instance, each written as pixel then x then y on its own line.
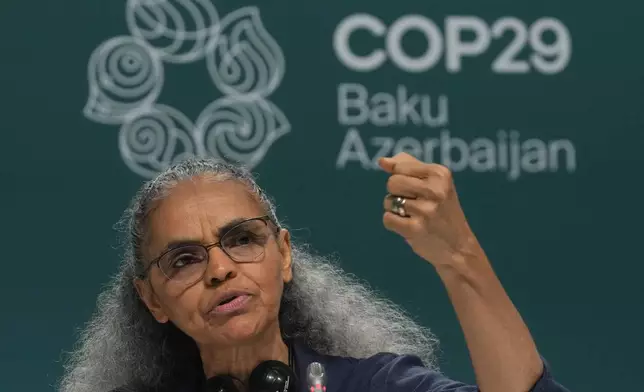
pixel 219 384
pixel 316 377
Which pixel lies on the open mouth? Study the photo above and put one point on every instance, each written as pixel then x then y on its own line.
pixel 228 300
pixel 232 303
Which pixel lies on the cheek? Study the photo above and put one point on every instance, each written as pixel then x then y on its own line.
pixel 183 308
pixel 268 277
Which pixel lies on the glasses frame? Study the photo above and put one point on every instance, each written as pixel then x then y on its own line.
pixel 155 262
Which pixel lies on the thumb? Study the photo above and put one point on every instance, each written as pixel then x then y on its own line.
pixel 387 164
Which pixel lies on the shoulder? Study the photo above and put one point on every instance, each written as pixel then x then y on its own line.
pixel 386 372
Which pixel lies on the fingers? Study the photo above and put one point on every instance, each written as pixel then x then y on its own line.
pixel 407 165
pixel 406 227
pixel 419 208
pixel 408 168
pixel 423 186
pixel 388 163
pixel 432 188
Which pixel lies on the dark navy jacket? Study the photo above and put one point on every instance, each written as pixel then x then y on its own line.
pixel 390 373
pixel 383 372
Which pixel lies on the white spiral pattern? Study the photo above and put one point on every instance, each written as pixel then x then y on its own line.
pixel 124 77
pixel 156 139
pixel 245 60
pixel 179 30
pixel 240 131
pixel 245 63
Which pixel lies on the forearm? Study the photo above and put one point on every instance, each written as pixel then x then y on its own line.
pixel 503 353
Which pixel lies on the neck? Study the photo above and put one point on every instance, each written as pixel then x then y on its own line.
pixel 239 360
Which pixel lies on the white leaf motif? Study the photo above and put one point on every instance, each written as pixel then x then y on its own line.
pixel 154 140
pixel 179 30
pixel 124 78
pixel 245 60
pixel 240 131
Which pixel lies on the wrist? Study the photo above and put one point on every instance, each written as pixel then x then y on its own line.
pixel 469 263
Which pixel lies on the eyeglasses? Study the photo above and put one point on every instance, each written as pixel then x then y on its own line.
pixel 243 243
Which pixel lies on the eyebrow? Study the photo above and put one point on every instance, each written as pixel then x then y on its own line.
pixel 221 231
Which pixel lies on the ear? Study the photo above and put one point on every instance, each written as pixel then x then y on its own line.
pixel 150 299
pixel 284 242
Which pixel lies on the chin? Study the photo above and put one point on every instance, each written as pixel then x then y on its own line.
pixel 243 327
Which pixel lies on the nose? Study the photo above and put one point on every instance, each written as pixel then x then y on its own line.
pixel 220 267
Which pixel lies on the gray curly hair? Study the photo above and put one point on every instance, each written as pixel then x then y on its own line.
pixel 332 312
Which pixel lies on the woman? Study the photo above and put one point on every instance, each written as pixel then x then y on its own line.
pixel 211 287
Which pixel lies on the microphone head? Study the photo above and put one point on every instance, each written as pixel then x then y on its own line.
pixel 219 384
pixel 316 377
pixel 272 376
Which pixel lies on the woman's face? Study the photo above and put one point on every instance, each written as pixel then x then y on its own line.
pixel 201 211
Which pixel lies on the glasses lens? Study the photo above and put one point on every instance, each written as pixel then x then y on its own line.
pixel 246 242
pixel 184 264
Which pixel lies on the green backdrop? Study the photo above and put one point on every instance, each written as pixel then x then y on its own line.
pixel 537 107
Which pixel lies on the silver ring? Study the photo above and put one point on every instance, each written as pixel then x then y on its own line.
pixel 398 206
